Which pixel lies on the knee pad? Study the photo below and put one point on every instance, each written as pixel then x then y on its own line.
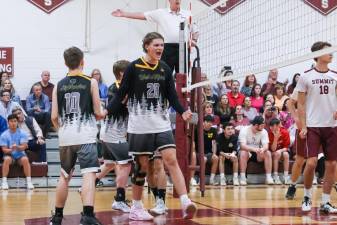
pixel 138 176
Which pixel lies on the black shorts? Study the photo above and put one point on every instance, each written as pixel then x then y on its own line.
pixel 87 157
pixel 171 56
pixel 116 152
pixel 148 144
pixel 253 157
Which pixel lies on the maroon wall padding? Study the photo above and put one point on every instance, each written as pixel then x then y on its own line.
pixel 181 132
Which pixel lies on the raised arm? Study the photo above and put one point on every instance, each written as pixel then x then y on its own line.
pixel 130 15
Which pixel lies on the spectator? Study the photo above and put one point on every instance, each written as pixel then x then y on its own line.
pixel 210 97
pixel 35 137
pixel 248 110
pixel 235 97
pixel 256 98
pixel 3 76
pixel 203 76
pixel 103 89
pixel 239 120
pixel 279 97
pixel 14 143
pixel 269 86
pixel 285 116
pixel 292 86
pixel 248 85
pixel 208 110
pixel 38 106
pixel 210 134
pixel 227 150
pixel 254 147
pixel 3 127
pixel 223 87
pixel 271 98
pixel 223 108
pixel 168 21
pixel 47 87
pixel 7 85
pixel 279 147
pixel 270 112
pixel 6 105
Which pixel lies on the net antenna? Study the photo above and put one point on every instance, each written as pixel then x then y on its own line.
pixel 257 36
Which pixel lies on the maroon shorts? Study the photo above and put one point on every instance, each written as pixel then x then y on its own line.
pixel 300 145
pixel 325 137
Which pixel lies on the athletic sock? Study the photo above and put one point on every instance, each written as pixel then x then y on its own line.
pixel 308 192
pixel 59 211
pixel 155 192
pixel 162 194
pixel 325 198
pixel 88 210
pixel 120 195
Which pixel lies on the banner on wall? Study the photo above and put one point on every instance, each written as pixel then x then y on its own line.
pixel 226 7
pixel 323 6
pixel 48 5
pixel 7 60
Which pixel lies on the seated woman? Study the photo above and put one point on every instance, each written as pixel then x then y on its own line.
pixel 223 108
pixel 249 111
pixel 8 86
pixel 208 110
pixel 239 120
pixel 256 97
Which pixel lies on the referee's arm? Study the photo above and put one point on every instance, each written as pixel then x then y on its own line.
pixel 130 15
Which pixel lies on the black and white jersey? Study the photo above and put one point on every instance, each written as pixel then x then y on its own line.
pixel 114 130
pixel 150 90
pixel 75 108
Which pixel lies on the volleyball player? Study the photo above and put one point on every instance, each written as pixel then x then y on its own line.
pixel 317 105
pixel 76 103
pixel 149 85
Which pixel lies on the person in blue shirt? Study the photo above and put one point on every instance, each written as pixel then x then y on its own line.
pixel 3 127
pixel 103 88
pixel 38 106
pixel 14 143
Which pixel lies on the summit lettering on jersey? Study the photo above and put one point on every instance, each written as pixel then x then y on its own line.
pixel 76 115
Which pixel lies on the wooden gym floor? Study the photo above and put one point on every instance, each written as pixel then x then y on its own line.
pixel 221 205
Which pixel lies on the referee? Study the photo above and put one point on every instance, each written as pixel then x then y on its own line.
pixel 168 20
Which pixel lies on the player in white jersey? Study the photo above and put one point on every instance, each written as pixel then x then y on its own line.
pixel 317 105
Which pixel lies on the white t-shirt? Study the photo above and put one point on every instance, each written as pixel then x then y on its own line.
pixel 169 23
pixel 256 140
pixel 321 100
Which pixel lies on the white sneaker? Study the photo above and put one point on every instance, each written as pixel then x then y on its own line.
pixel 236 181
pixel 189 209
pixel 328 208
pixel 276 180
pixel 139 214
pixel 223 181
pixel 314 181
pixel 193 182
pixel 287 180
pixel 168 183
pixel 160 207
pixel 306 204
pixel 30 186
pixel 211 181
pixel 243 181
pixel 121 206
pixel 4 186
pixel 270 181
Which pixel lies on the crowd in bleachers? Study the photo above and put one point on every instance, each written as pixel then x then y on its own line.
pixel 248 122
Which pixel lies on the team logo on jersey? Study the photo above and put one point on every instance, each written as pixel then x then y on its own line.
pixel 73 81
pixel 230 145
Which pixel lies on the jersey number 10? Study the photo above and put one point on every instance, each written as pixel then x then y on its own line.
pixel 72 102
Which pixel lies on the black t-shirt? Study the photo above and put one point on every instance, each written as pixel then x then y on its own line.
pixel 227 145
pixel 209 136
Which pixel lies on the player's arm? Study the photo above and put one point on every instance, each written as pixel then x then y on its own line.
pixel 54 109
pixel 96 100
pixel 273 146
pixel 301 101
pixel 22 146
pixel 6 150
pixel 130 15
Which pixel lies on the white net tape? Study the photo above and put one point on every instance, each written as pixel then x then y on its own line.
pixel 259 35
